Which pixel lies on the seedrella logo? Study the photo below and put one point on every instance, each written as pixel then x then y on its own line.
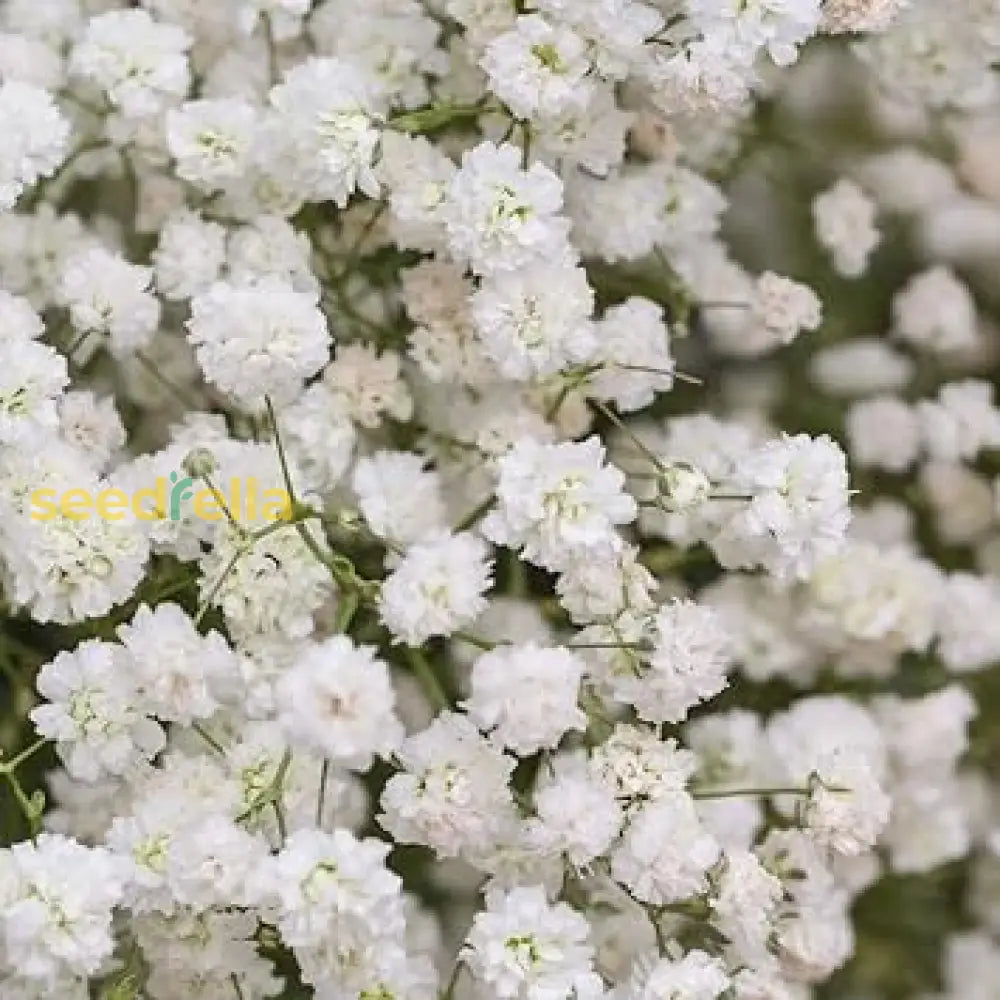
pixel 178 492
pixel 171 498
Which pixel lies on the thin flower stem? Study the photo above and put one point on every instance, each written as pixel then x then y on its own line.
pixel 217 586
pixel 474 515
pixel 557 403
pixel 76 343
pixel 449 990
pixel 31 807
pixel 356 247
pixel 628 432
pixel 186 400
pixel 279 815
pixel 282 457
pixel 732 793
pixel 209 738
pixel 640 646
pixel 424 673
pixel 324 777
pixel 477 641
pixel 345 613
pixel 10 766
pixel 220 499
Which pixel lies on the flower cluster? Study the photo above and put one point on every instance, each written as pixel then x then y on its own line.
pixel 629 610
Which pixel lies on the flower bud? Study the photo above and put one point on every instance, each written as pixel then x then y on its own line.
pixel 683 487
pixel 199 462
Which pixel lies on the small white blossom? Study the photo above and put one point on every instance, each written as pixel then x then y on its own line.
pixel 525 725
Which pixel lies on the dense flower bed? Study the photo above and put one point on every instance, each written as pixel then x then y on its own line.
pixel 498 500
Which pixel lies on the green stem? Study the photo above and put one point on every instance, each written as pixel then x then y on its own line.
pixel 349 602
pixel 477 641
pixel 324 777
pixel 209 738
pixel 732 793
pixel 217 586
pixel 474 515
pixel 10 766
pixel 629 433
pixel 424 672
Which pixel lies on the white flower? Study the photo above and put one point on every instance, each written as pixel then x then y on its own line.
pixel 860 15
pixel 883 433
pixel 615 30
pixel 524 948
pixel 845 225
pixel 961 422
pixel 538 68
pixel 634 344
pixel 140 63
pixel 778 27
pixel 319 436
pixel 577 814
pixel 180 675
pixel 936 311
pixel 557 500
pixel 283 16
pixel 211 140
pixel 189 256
pixel 796 510
pixel 19 319
pixel 745 902
pixel 275 587
pixel 969 622
pixel 92 425
pixel 92 712
pixel 416 175
pixel 638 766
pixel 602 584
pixel 847 808
pixel 695 976
pixel 665 853
pixel 690 656
pixel 32 379
pixel 860 367
pixel 338 699
pixel 106 294
pixel 783 308
pixel 262 340
pixel 332 883
pixel 501 682
pixel 211 862
pixel 57 903
pixel 437 588
pixel 327 109
pixel 400 500
pixel 833 748
pixel 929 734
pixel 36 137
pixel 370 384
pixel 452 794
pixel 535 321
pixel 270 246
pixel 502 218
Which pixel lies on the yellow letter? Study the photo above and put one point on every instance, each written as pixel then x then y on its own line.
pixel 277 505
pixel 43 505
pixel 206 506
pixel 112 504
pixel 159 498
pixel 75 505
